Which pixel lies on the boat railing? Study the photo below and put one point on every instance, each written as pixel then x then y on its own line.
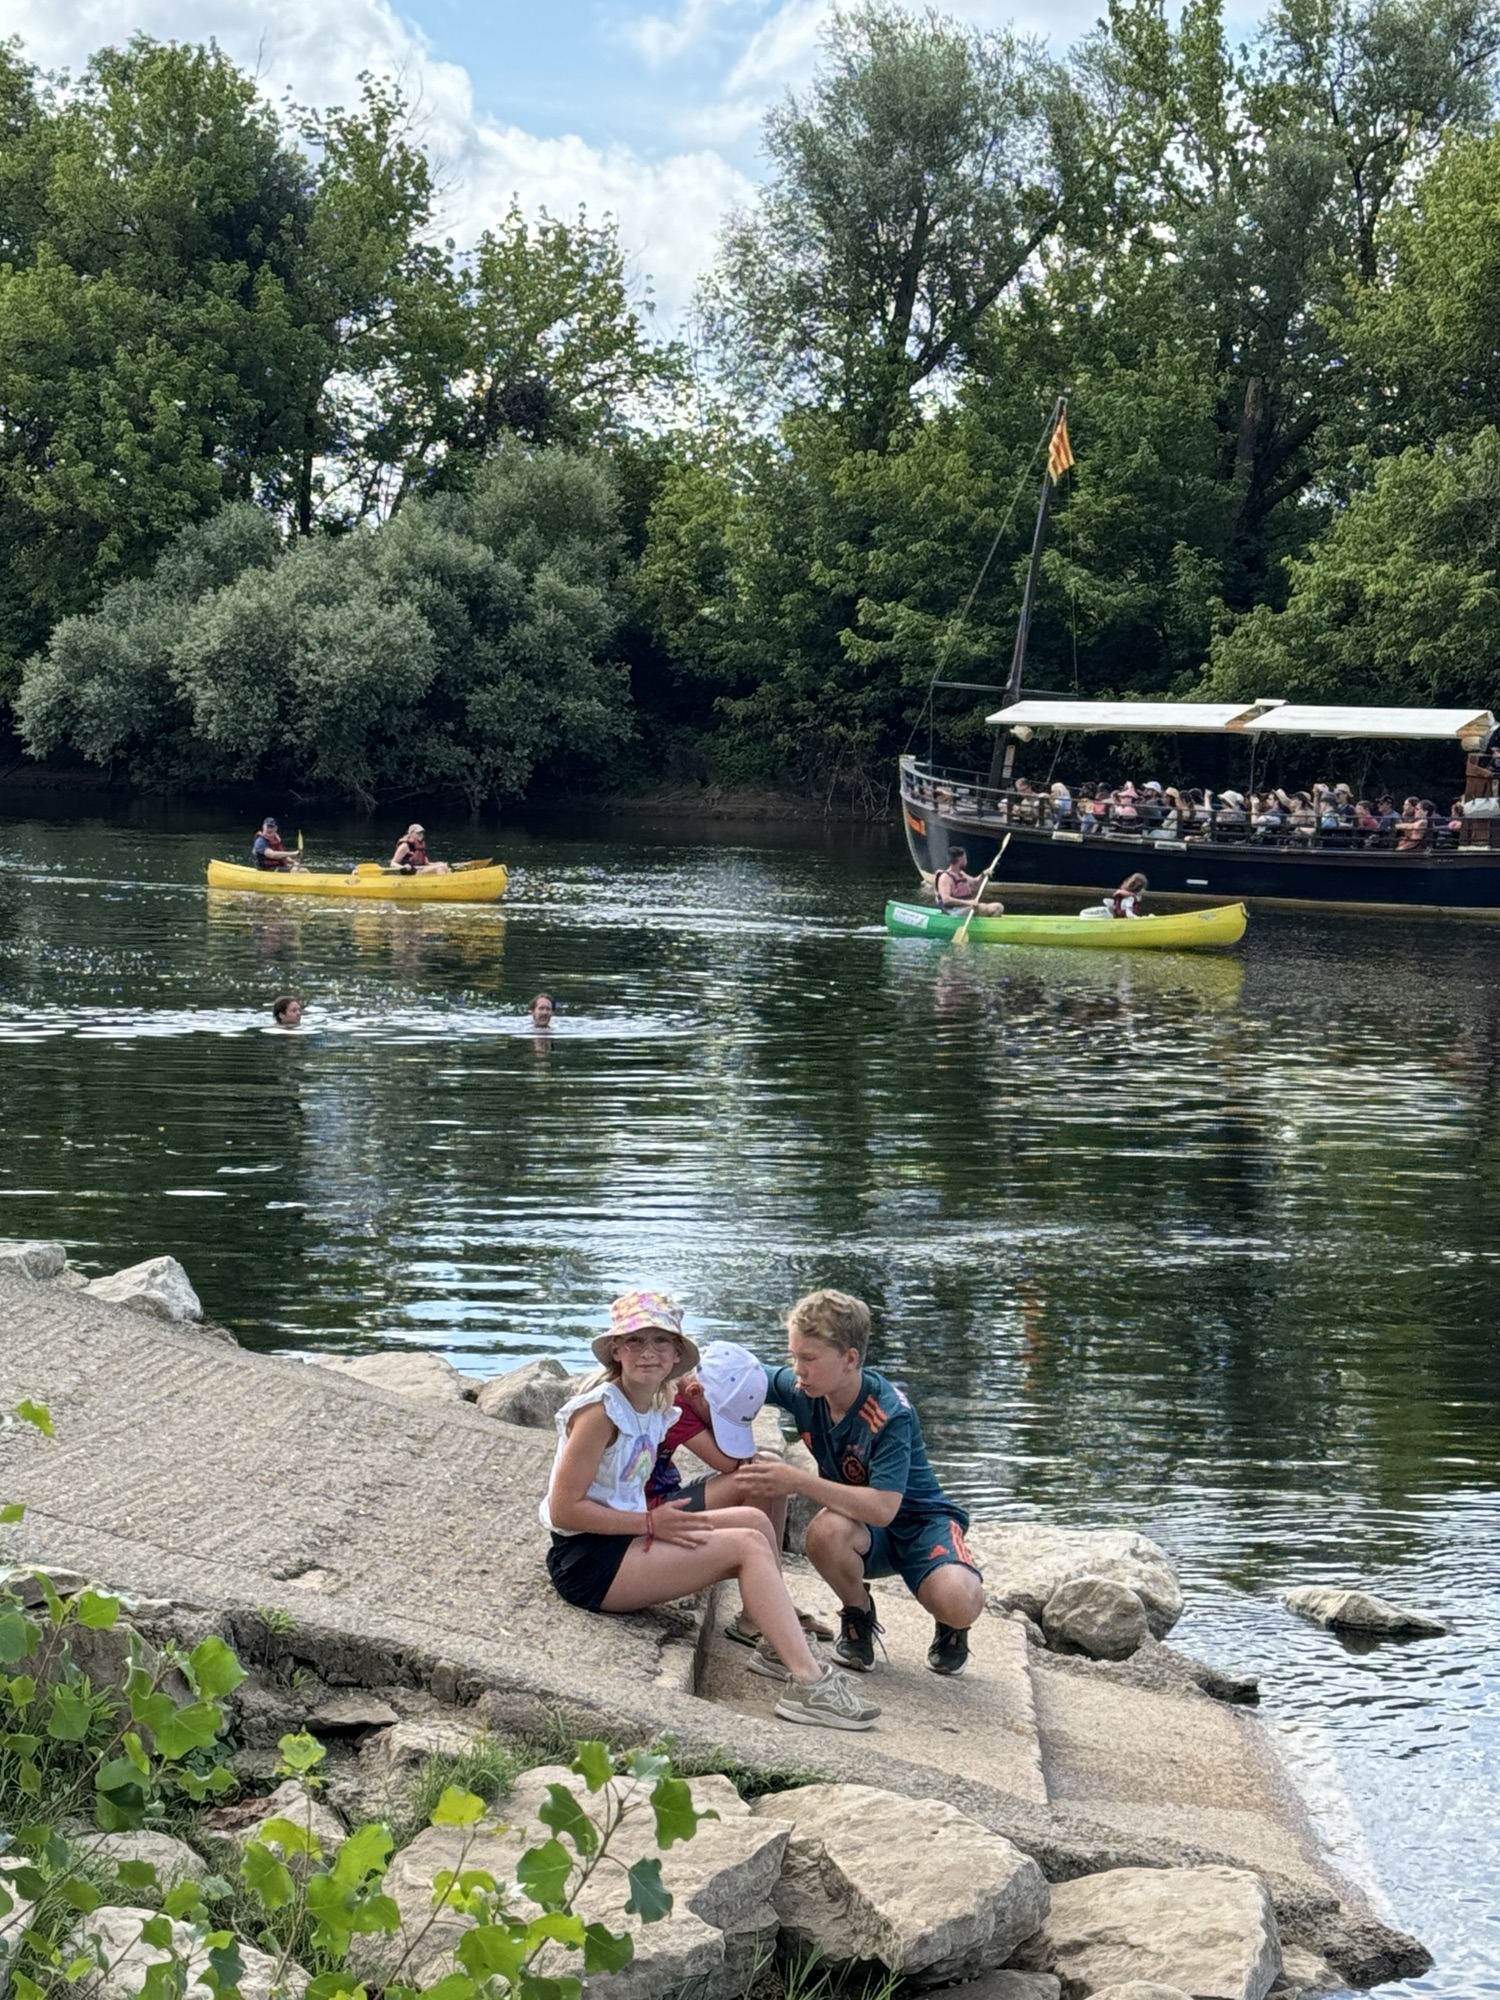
pixel 960 797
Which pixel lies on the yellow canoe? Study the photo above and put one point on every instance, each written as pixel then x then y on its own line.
pixel 1178 930
pixel 368 884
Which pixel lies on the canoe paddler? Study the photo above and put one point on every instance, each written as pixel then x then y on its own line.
pixel 958 890
pixel 411 854
pixel 1126 900
pixel 266 850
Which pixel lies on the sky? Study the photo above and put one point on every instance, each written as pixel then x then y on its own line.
pixel 651 113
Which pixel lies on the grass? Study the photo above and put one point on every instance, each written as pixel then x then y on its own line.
pixel 488 1770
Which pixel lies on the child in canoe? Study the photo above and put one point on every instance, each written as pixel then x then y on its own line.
pixel 611 1552
pixel 883 1511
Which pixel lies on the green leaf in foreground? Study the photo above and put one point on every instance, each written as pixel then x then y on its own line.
pixel 542 1872
pixel 216 1671
pixel 605 1950
pixel 650 1900
pixel 457 1808
pixel 566 1817
pixel 594 1764
pixel 676 1816
pixel 97 1609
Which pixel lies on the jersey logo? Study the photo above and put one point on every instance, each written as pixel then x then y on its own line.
pixel 872 1416
pixel 854 1469
pixel 961 1547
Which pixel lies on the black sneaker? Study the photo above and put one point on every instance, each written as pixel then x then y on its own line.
pixel 859 1628
pixel 949 1651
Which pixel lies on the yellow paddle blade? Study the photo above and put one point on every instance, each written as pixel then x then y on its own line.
pixel 368 868
pixel 460 866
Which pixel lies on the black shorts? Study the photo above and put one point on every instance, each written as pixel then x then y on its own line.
pixel 582 1567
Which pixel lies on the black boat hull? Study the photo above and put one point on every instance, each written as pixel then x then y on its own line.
pixel 1465 881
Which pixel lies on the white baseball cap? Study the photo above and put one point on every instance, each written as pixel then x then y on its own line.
pixel 734 1386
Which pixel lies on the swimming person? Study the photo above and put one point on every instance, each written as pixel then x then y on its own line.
pixel 286 1011
pixel 611 1552
pixel 542 1011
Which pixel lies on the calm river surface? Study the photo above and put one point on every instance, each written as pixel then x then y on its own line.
pixel 1205 1246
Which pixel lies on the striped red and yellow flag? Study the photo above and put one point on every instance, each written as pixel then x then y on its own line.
pixel 1059 452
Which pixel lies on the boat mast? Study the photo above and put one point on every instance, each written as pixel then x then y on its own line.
pixel 1003 759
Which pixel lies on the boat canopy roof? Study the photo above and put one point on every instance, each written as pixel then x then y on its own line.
pixel 1469 726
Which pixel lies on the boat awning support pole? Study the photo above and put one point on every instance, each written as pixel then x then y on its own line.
pixel 1003 757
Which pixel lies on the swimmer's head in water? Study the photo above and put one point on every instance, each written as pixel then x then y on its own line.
pixel 542 1009
pixel 286 1011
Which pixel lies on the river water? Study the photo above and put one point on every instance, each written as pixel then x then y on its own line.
pixel 1205 1246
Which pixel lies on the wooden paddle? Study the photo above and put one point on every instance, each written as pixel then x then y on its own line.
pixel 961 935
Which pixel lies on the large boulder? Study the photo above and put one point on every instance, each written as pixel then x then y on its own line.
pixel 1210 1931
pixel 112 1936
pixel 719 1934
pixel 159 1287
pixel 530 1395
pixel 411 1372
pixel 1008 1986
pixel 29 1257
pixel 912 1883
pixel 1141 1989
pixel 1095 1615
pixel 1025 1563
pixel 1358 1611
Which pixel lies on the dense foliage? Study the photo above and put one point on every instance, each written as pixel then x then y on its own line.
pixel 1267 277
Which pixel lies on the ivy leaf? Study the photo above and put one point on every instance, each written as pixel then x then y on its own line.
pixel 542 1872
pixel 457 1986
pixel 565 1815
pixel 18 1636
pixel 457 1808
pixel 605 1950
pixel 290 1835
pixel 13 1510
pixel 650 1900
pixel 376 1913
pixel 79 1894
pixel 216 1671
pixel 97 1610
pixel 137 1874
pixel 184 1902
pixel 266 1877
pixel 365 1852
pixel 490 1951
pixel 191 1728
pixel 228 1966
pixel 71 1716
pixel 37 1415
pixel 340 1986
pixel 301 1752
pixel 532 1986
pixel 595 1764
pixel 648 1765
pixel 157 1931
pixel 676 1816
pixel 22 1690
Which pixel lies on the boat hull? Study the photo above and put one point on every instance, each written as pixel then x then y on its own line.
pixel 1466 880
pixel 469 885
pixel 1180 930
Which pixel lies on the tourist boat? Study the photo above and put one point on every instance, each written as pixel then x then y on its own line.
pixel 369 883
pixel 1180 930
pixel 1221 857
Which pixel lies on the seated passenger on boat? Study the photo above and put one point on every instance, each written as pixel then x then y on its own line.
pixel 957 889
pixel 411 854
pixel 266 850
pixel 1126 900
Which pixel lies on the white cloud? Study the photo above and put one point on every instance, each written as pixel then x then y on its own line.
pixel 669 208
pixel 662 38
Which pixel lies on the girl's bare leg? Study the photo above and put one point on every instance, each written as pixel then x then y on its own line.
pixel 721 1496
pixel 655 1572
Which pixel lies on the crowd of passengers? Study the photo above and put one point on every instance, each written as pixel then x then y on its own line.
pixel 1328 815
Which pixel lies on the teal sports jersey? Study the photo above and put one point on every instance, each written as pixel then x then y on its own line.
pixel 879 1443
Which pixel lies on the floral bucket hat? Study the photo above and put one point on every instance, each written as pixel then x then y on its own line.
pixel 638 1312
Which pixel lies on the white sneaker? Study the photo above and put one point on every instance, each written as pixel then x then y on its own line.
pixel 764 1659
pixel 829 1703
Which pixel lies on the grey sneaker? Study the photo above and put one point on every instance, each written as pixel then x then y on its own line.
pixel 764 1659
pixel 829 1703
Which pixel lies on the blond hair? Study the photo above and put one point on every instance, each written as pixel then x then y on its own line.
pixel 838 1318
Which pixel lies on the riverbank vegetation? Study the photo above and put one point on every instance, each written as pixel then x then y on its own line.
pixel 292 491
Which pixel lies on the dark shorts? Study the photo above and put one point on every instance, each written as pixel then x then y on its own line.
pixel 693 1491
pixel 582 1567
pixel 912 1550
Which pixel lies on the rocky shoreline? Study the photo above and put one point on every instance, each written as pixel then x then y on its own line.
pixel 1087 1807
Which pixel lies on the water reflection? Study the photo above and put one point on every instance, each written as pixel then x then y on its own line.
pixel 1207 1244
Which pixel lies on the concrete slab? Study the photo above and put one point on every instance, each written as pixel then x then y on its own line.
pixel 981 1725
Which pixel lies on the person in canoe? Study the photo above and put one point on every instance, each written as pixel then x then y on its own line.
pixel 411 857
pixel 958 890
pixel 1126 900
pixel 266 850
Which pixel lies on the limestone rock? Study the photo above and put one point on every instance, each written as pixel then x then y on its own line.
pixel 912 1883
pixel 351 1713
pixel 411 1372
pixel 530 1395
pixel 159 1287
pixel 113 1935
pixel 173 1860
pixel 1097 1616
pixel 30 1257
pixel 1141 1989
pixel 1008 1986
pixel 406 1745
pixel 1307 1973
pixel 1024 1563
pixel 229 1831
pixel 1210 1931
pixel 719 1931
pixel 1358 1611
